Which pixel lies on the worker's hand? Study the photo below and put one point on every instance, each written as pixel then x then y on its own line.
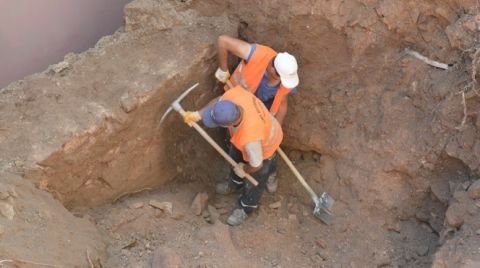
pixel 191 117
pixel 239 171
pixel 222 75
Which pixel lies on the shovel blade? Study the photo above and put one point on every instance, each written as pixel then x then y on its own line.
pixel 323 208
pixel 323 214
pixel 326 201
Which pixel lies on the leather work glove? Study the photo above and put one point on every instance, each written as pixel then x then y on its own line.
pixel 191 117
pixel 239 171
pixel 222 75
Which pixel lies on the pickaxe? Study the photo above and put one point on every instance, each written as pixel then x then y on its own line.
pixel 177 107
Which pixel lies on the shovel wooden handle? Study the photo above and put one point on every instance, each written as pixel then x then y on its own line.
pixel 297 174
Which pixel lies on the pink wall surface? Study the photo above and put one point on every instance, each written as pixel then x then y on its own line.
pixel 37 33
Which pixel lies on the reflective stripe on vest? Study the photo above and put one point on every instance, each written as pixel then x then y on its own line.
pixel 257 123
pixel 270 143
pixel 250 75
pixel 239 79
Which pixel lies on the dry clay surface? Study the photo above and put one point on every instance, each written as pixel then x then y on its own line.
pixel 144 232
pixel 86 131
pixel 392 139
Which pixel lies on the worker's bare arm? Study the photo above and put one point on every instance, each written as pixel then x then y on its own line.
pixel 255 155
pixel 249 169
pixel 282 110
pixel 228 44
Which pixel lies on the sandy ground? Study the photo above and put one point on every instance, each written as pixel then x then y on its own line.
pixel 282 233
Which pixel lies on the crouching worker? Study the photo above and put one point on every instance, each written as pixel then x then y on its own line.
pixel 255 135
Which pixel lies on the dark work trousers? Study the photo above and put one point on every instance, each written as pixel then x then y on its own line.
pixel 238 155
pixel 251 194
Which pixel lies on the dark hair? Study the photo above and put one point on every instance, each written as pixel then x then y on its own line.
pixel 273 65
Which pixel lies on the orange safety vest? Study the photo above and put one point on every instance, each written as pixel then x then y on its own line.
pixel 257 123
pixel 250 75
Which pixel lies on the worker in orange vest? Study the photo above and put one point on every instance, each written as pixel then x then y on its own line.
pixel 269 75
pixel 255 136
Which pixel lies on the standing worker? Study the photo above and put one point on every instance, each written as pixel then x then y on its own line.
pixel 255 136
pixel 269 75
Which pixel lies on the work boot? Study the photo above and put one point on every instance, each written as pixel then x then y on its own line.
pixel 272 183
pixel 227 187
pixel 237 217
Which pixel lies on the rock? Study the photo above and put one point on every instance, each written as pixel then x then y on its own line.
pixel 7 191
pixel 275 205
pixel 394 227
pixel 295 155
pixel 199 203
pixel 2 230
pixel 158 213
pixel 128 102
pixel 422 215
pixel 455 214
pixel 422 250
pixel 163 206
pixel 459 34
pixel 472 209
pixel 219 205
pixel 148 15
pixel 321 243
pixel 7 210
pixel 165 257
pixel 474 190
pixel 57 68
pixel 177 216
pixel 136 205
pixel 382 259
pixel 292 219
pixel 441 190
pixel 318 257
pixel 4 195
pixel 222 211
pixel 213 214
pixel 461 196
pixel 478 232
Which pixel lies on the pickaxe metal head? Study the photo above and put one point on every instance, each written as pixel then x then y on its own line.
pixel 176 103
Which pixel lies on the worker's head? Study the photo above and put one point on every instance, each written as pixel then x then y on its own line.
pixel 224 113
pixel 285 66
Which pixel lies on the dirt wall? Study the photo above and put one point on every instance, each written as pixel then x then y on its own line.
pixel 384 117
pixel 86 131
pixel 370 106
pixel 397 137
pixel 384 122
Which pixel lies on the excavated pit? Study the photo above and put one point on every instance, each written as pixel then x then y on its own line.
pixel 88 174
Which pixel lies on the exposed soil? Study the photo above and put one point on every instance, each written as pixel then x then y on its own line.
pixel 85 164
pixel 282 233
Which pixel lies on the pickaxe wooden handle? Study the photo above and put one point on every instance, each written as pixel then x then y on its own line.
pixel 221 151
pixel 177 107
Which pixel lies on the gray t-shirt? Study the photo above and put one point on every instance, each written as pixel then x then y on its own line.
pixel 254 151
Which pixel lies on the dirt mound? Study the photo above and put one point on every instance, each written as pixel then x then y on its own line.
pixel 393 139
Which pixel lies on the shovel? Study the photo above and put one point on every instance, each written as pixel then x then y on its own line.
pixel 323 204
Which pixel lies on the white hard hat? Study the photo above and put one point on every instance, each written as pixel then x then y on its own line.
pixel 286 66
